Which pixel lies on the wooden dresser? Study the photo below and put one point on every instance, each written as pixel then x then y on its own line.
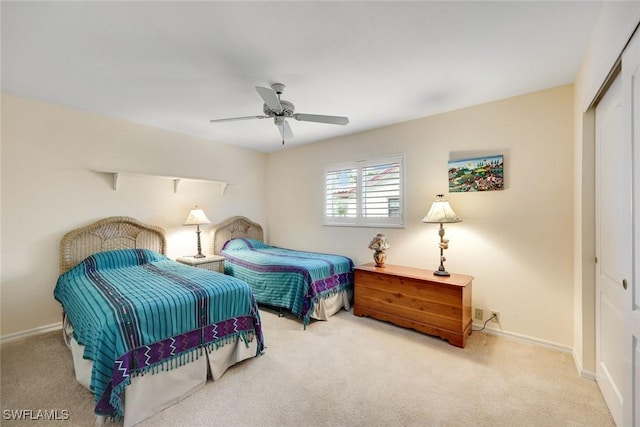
pixel 415 298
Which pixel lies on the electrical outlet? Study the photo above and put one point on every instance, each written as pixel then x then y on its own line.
pixel 495 316
pixel 479 314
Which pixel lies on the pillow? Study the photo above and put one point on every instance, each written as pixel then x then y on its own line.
pixel 121 258
pixel 243 244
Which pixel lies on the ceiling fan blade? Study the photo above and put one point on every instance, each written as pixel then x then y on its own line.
pixel 334 120
pixel 285 130
pixel 270 98
pixel 233 119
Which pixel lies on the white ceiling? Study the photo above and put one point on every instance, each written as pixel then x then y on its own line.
pixel 175 65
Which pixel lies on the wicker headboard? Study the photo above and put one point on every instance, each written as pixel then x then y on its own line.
pixel 116 232
pixel 232 228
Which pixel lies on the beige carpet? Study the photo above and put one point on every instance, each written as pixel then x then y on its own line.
pixel 348 371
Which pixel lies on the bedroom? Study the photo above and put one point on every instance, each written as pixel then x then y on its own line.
pixel 527 263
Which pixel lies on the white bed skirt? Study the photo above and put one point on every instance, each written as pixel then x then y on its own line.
pixel 151 393
pixel 327 307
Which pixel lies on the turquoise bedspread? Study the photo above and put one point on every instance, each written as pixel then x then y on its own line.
pixel 295 280
pixel 137 311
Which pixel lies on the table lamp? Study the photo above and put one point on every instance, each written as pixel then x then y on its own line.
pixel 197 217
pixel 441 212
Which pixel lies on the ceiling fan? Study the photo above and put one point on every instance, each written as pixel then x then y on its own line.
pixel 280 110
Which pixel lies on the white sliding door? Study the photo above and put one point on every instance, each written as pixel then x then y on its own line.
pixel 617 240
pixel 631 98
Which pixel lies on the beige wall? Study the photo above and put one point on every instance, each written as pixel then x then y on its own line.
pixel 614 27
pixel 48 188
pixel 517 242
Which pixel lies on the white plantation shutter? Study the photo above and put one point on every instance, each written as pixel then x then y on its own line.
pixel 380 184
pixel 341 194
pixel 365 193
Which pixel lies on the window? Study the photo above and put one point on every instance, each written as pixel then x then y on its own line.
pixel 365 193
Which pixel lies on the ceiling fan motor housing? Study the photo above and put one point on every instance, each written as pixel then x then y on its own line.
pixel 287 110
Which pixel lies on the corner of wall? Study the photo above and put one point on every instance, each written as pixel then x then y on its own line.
pixel 587 375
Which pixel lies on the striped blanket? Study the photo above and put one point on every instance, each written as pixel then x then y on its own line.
pixel 286 278
pixel 136 311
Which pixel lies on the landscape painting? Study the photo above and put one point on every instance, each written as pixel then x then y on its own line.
pixel 477 174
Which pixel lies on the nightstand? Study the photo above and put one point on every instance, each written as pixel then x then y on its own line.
pixel 209 262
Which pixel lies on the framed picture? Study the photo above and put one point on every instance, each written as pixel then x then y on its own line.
pixel 477 174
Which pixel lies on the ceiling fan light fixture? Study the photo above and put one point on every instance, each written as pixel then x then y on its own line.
pixel 287 109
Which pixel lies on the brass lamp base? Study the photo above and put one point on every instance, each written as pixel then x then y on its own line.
pixel 443 245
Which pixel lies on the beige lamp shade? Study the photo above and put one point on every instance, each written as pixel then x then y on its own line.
pixel 197 217
pixel 441 212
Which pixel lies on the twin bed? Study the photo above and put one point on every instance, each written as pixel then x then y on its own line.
pixel 311 285
pixel 130 311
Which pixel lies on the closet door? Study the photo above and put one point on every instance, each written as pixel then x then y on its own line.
pixel 613 243
pixel 631 98
pixel 618 241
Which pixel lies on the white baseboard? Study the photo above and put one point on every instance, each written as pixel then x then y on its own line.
pixel 548 344
pixel 31 332
pixel 527 339
pixel 589 375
